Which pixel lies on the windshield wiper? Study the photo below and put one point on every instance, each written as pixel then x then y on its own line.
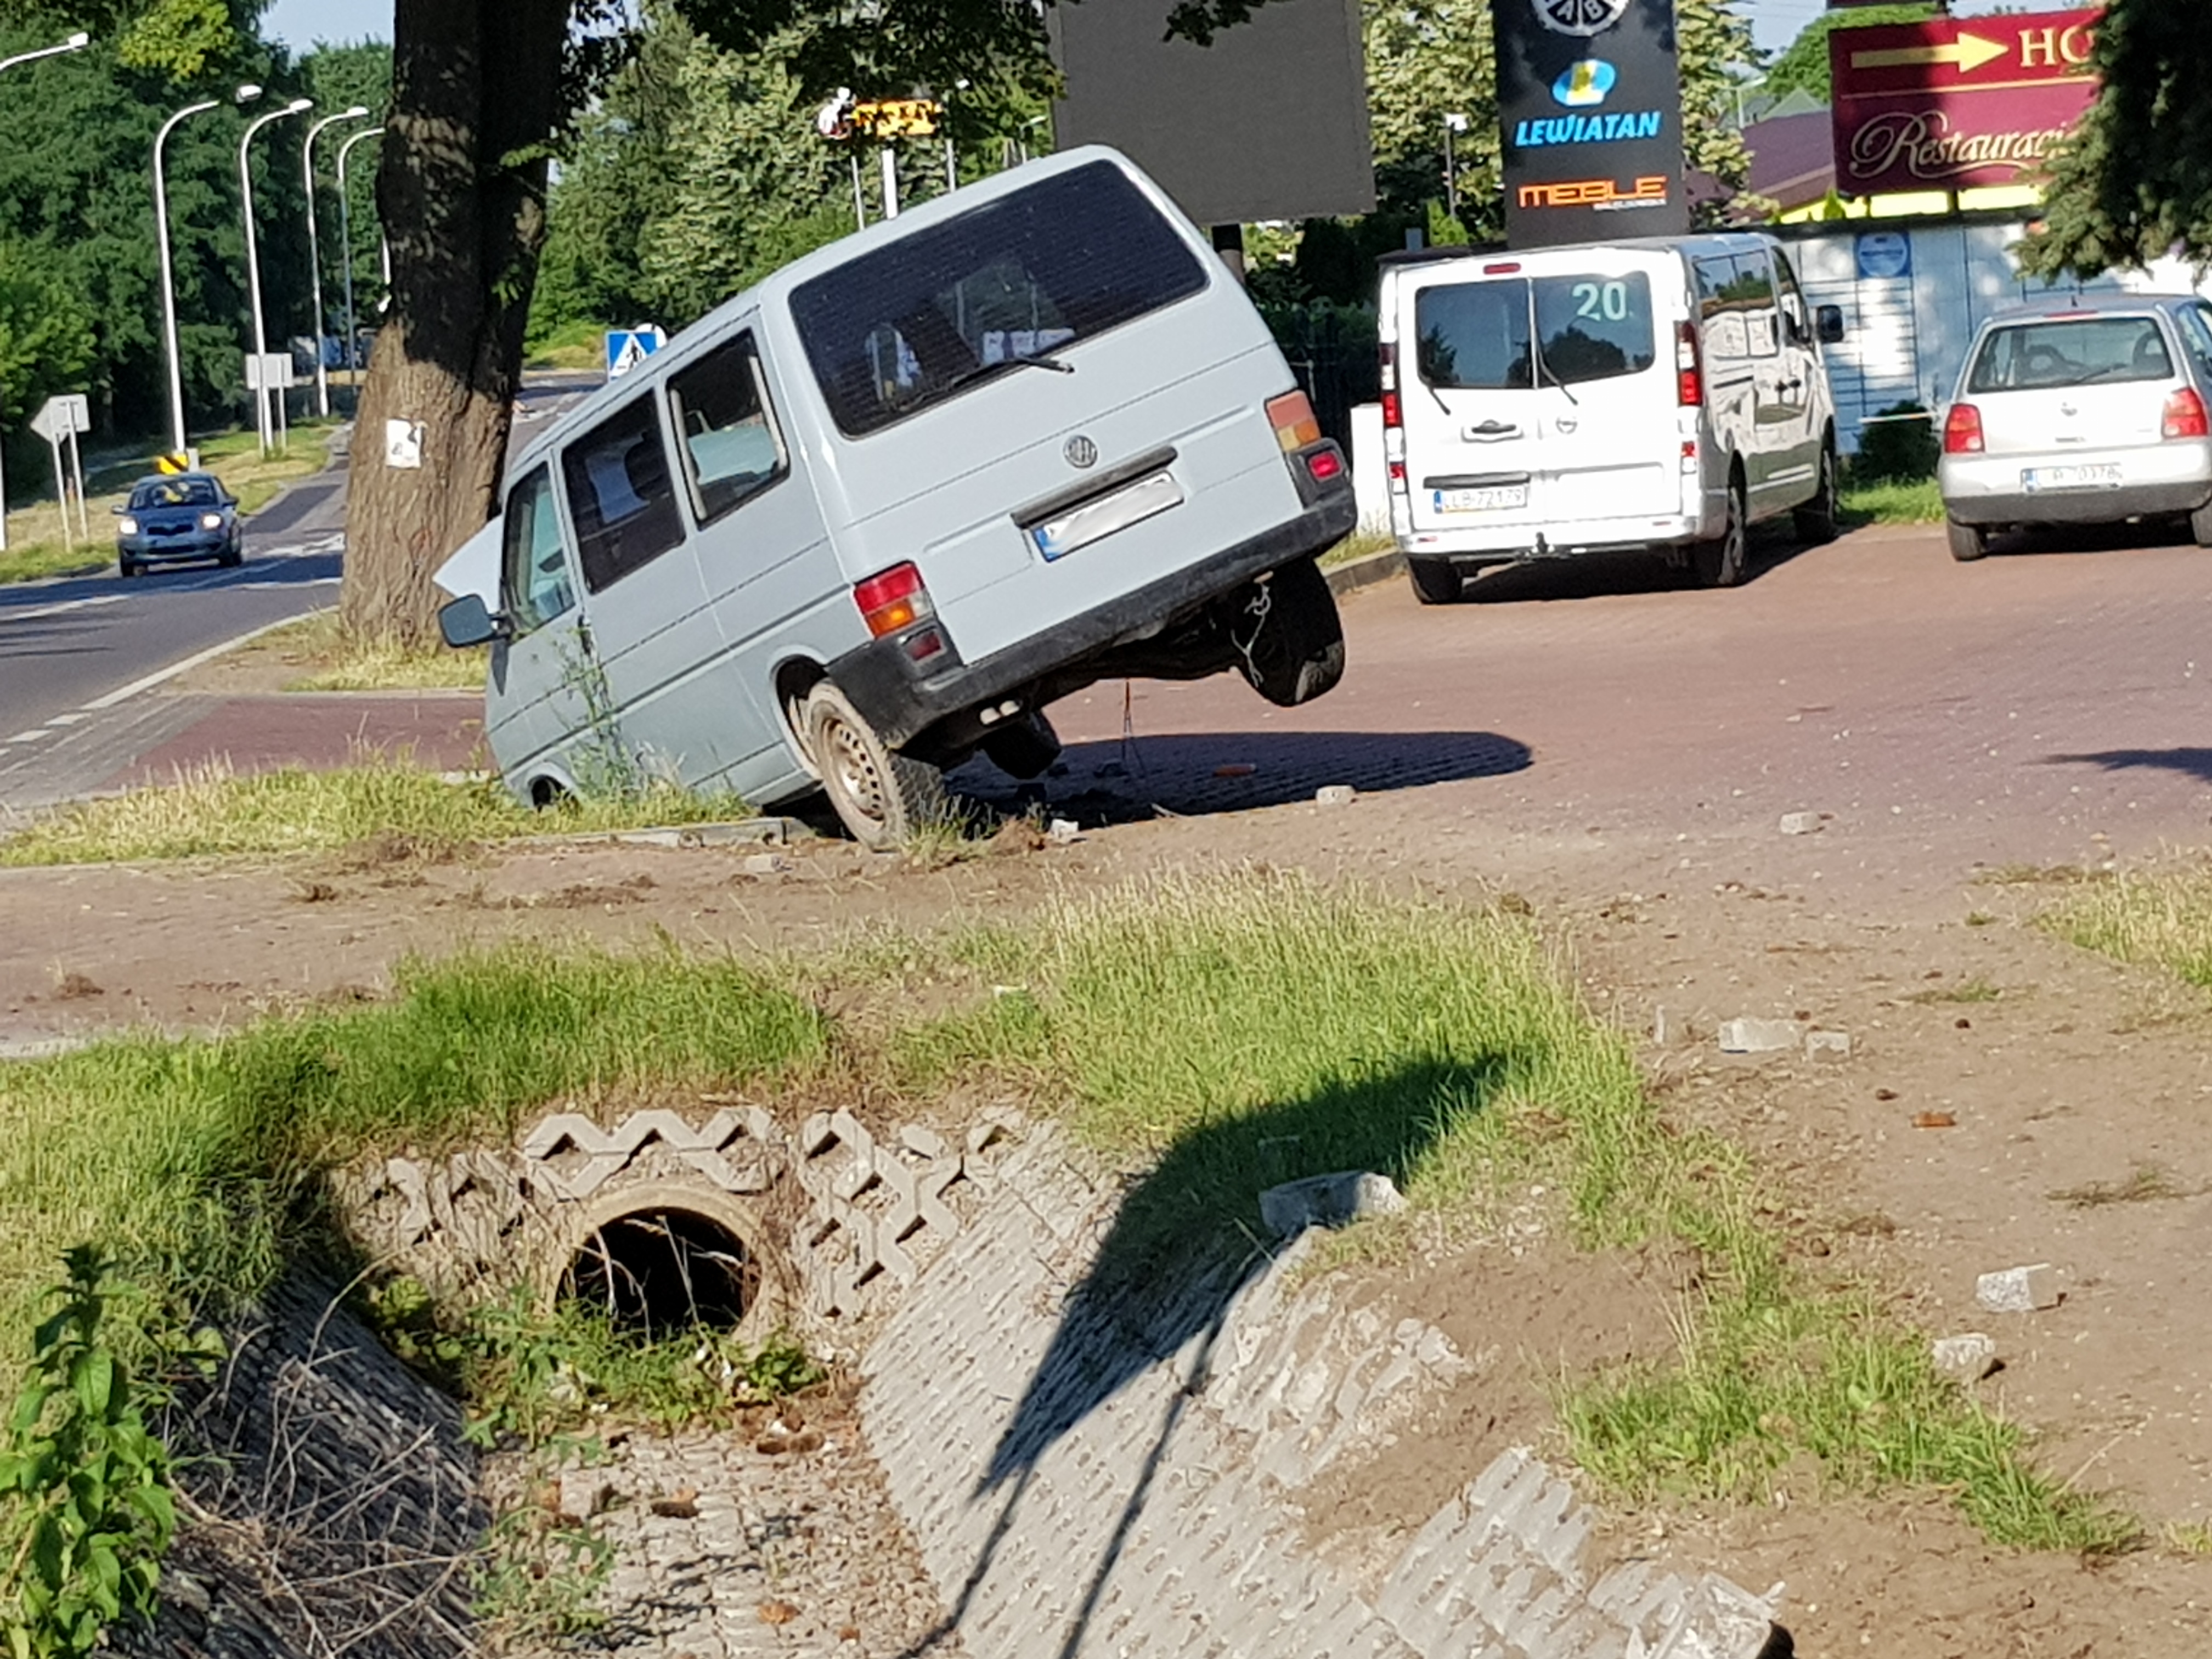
pixel 977 371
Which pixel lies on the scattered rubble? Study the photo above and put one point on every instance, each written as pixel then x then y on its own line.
pixel 1746 1035
pixel 1327 1200
pixel 1969 1357
pixel 2019 1290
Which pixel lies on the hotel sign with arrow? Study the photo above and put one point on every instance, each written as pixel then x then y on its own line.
pixel 1954 103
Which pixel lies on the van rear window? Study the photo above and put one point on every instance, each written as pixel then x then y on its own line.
pixel 1475 337
pixel 2072 352
pixel 1071 256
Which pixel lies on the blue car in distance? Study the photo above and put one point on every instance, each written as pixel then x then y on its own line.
pixel 186 516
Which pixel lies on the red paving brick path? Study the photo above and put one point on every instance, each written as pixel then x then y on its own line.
pixel 441 730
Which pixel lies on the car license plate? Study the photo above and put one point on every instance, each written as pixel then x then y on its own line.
pixel 1487 498
pixel 2106 476
pixel 1096 520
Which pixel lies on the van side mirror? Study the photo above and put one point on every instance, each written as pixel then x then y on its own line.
pixel 468 621
pixel 1828 323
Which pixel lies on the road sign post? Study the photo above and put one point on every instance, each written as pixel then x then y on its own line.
pixel 58 421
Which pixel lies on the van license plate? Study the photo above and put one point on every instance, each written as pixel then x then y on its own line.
pixel 1096 520
pixel 2105 476
pixel 1489 498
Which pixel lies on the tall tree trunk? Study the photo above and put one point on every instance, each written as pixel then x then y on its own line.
pixel 477 89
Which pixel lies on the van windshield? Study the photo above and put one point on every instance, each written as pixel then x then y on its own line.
pixel 1071 256
pixel 1475 337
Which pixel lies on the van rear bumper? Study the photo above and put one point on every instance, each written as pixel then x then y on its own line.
pixel 902 701
pixel 1559 541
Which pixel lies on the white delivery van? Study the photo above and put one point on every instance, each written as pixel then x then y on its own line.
pixel 873 514
pixel 1664 394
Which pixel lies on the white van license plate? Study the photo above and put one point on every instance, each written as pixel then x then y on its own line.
pixel 1096 520
pixel 1489 498
pixel 2105 476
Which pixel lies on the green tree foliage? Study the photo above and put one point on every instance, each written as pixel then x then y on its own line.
pixel 1803 65
pixel 1713 48
pixel 1424 61
pixel 2134 183
pixel 46 331
pixel 338 78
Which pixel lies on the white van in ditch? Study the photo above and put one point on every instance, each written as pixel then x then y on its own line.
pixel 1663 393
pixel 873 514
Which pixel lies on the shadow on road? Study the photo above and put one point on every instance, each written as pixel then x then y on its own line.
pixel 1174 1262
pixel 1598 576
pixel 2189 762
pixel 2064 538
pixel 1119 782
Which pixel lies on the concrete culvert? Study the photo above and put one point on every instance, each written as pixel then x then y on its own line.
pixel 658 1270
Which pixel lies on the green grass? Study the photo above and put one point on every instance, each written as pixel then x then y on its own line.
pixel 38 560
pixel 329 658
pixel 574 346
pixel 1214 1036
pixel 1916 501
pixel 1358 545
pixel 214 810
pixel 2161 919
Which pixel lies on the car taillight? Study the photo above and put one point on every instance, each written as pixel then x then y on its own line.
pixel 892 600
pixel 1962 430
pixel 1689 377
pixel 2185 415
pixel 1292 418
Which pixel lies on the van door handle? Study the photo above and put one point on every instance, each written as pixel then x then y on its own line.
pixel 1489 431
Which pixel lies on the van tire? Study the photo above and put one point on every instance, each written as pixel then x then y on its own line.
pixel 1815 522
pixel 882 796
pixel 1719 561
pixel 1968 541
pixel 1436 581
pixel 1296 651
pixel 1024 747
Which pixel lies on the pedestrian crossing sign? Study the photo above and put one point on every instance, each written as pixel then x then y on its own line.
pixel 627 347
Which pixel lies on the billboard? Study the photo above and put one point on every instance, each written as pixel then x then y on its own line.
pixel 1589 107
pixel 1955 103
pixel 1269 122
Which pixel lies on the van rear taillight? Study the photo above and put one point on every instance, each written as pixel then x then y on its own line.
pixel 2185 415
pixel 892 600
pixel 1292 418
pixel 1323 465
pixel 1962 430
pixel 1392 415
pixel 1689 375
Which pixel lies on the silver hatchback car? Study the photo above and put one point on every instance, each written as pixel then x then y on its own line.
pixel 2084 410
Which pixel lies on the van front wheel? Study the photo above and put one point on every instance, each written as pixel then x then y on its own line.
pixel 882 796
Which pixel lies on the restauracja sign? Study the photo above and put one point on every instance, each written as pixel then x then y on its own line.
pixel 1921 143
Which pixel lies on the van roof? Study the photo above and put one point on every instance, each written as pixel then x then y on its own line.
pixel 1716 242
pixel 708 331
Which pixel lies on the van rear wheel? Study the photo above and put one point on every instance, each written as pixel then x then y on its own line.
pixel 1436 581
pixel 1288 638
pixel 882 796
pixel 1815 522
pixel 1719 561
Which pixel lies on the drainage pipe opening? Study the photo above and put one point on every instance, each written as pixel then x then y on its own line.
pixel 656 1271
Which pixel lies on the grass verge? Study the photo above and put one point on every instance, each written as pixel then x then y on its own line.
pixel 213 809
pixel 575 346
pixel 1218 1035
pixel 2161 918
pixel 324 657
pixel 1891 501
pixel 1357 545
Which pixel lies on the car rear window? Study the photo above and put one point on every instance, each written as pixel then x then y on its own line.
pixel 1475 336
pixel 895 331
pixel 2070 351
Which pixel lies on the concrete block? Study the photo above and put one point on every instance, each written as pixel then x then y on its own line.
pixel 765 864
pixel 1801 824
pixel 1969 1357
pixel 1828 1045
pixel 1063 830
pixel 1335 795
pixel 1329 1200
pixel 2018 1290
pixel 1746 1035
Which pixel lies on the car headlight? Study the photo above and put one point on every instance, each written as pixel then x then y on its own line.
pixel 127 526
pixel 210 520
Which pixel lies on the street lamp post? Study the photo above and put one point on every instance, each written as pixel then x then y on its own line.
pixel 314 245
pixel 244 94
pixel 1454 125
pixel 345 238
pixel 76 42
pixel 253 261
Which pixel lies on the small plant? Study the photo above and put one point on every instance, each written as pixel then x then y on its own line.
pixel 1898 446
pixel 540 1577
pixel 86 1485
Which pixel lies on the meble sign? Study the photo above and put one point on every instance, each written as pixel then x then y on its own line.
pixel 1590 118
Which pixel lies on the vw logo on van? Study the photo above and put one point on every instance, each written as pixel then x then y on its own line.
pixel 1581 17
pixel 1080 451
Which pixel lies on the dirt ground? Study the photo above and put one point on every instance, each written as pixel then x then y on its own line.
pixel 2072 1095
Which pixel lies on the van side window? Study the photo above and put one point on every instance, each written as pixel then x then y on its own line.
pixel 1725 301
pixel 1795 314
pixel 730 448
pixel 619 496
pixel 1754 291
pixel 534 584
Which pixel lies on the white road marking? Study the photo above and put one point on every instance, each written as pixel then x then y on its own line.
pixel 159 677
pixel 32 736
pixel 65 605
pixel 64 720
